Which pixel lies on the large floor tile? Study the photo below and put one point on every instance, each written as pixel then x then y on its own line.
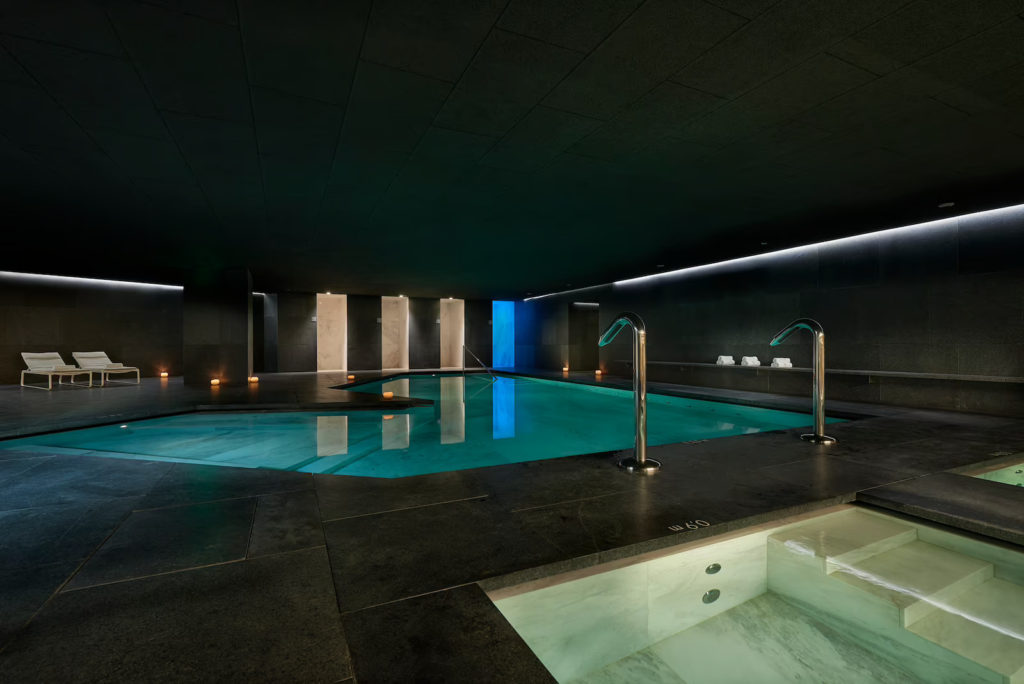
pixel 286 522
pixel 169 539
pixel 23 592
pixel 187 483
pixel 14 467
pixel 449 636
pixel 79 479
pixel 64 532
pixel 344 497
pixel 390 556
pixel 824 476
pixel 270 619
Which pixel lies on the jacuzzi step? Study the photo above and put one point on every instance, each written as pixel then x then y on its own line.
pixel 839 540
pixel 915 577
pixel 984 624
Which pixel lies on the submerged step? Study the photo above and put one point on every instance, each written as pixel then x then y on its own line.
pixel 842 539
pixel 915 578
pixel 984 624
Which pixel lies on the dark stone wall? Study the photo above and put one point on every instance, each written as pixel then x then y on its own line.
pixel 269 333
pixel 137 326
pixel 583 334
pixel 217 326
pixel 424 333
pixel 296 332
pixel 542 333
pixel 364 343
pixel 478 330
pixel 947 299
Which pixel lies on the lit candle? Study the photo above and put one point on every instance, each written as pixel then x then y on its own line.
pixel 597 372
pixel 214 381
pixel 163 374
pixel 253 378
pixel 388 417
pixel 351 377
pixel 388 395
pixel 565 369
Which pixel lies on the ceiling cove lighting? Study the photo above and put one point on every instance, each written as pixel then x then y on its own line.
pixel 72 280
pixel 853 239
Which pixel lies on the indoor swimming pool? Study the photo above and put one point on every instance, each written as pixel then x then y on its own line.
pixel 475 421
pixel 845 596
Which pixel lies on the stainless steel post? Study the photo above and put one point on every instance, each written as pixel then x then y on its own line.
pixel 639 463
pixel 818 373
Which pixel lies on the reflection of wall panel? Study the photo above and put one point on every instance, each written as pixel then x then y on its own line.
pixel 331 332
pixel 331 435
pixel 394 432
pixel 394 333
pixel 503 408
pixel 453 333
pixel 453 410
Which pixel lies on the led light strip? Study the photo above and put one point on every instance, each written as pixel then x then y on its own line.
pixel 72 280
pixel 888 232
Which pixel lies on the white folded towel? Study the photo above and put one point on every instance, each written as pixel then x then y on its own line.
pixel 750 361
pixel 781 362
pixel 725 361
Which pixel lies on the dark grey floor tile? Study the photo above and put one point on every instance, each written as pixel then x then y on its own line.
pixel 824 476
pixel 18 454
pixel 929 455
pixel 168 539
pixel 343 496
pixel 11 468
pixel 389 556
pixel 65 532
pixel 186 483
pixel 539 483
pixel 79 479
pixel 449 636
pixel 966 503
pixel 270 619
pixel 23 592
pixel 286 522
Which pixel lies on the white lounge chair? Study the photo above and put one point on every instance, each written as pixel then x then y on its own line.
pixel 50 364
pixel 99 362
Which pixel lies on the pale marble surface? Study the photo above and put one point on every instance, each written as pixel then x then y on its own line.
pixel 452 332
pixel 331 332
pixel 985 624
pixel 394 331
pixel 642 667
pixel 843 537
pixel 767 640
pixel 915 577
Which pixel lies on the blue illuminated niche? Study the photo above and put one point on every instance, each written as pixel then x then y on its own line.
pixel 503 332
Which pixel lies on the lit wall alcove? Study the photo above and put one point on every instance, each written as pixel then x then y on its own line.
pixel 331 332
pixel 453 333
pixel 394 333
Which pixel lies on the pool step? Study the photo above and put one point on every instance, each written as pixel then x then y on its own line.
pixel 985 624
pixel 839 540
pixel 915 578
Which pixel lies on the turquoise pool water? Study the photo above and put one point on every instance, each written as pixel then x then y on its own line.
pixel 473 423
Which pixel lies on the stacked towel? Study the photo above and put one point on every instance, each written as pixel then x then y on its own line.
pixel 750 361
pixel 781 362
pixel 726 361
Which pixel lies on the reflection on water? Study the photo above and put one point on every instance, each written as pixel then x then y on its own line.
pixel 453 409
pixel 394 431
pixel 331 435
pixel 503 411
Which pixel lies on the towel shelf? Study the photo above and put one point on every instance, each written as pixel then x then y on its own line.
pixel 842 371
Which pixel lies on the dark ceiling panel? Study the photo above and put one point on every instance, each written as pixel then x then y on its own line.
pixel 541 135
pixel 509 75
pixel 190 64
pixel 920 29
pixel 430 37
pixel 652 44
pixel 223 11
pixel 98 90
pixel 66 22
pixel 776 41
pixel 576 25
pixel 143 157
pixel 305 47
